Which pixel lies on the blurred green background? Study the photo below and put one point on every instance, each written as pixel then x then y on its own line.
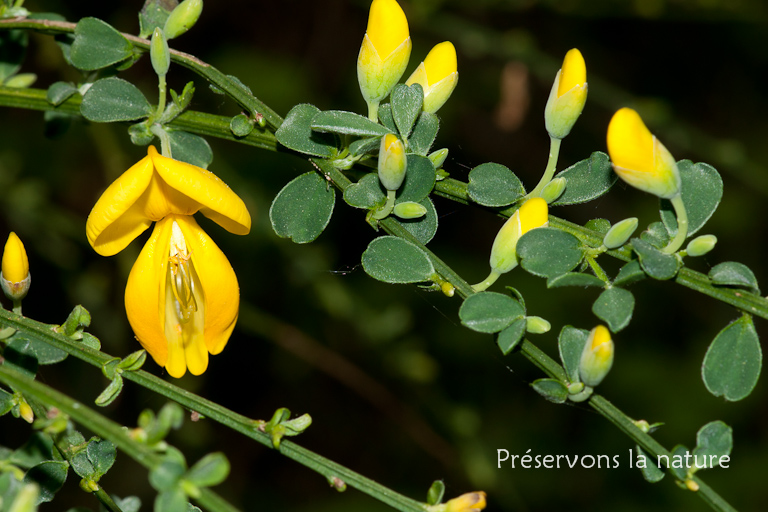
pixel 399 391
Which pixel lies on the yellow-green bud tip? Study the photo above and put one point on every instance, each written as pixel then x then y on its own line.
pixel 597 357
pixel 182 18
pixel 639 158
pixel 392 162
pixel 534 213
pixel 470 502
pixel 437 75
pixel 573 72
pixel 15 262
pixel 387 26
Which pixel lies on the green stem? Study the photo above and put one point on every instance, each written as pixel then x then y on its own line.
pixel 161 96
pixel 165 140
pixel 373 111
pixel 488 281
pixel 549 172
pixel 215 412
pixel 17 306
pixel 682 225
pixel 598 270
pixel 233 89
pixel 102 427
pixel 387 209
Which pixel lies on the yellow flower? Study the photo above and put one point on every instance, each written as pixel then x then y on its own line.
pixel 639 158
pixel 392 162
pixel 437 75
pixel 597 356
pixel 470 502
pixel 568 95
pixel 182 296
pixel 534 213
pixel 384 53
pixel 15 277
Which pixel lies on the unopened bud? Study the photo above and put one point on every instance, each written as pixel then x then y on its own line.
pixel 537 325
pixel 14 277
pixel 597 356
pixel 620 233
pixel 534 213
pixel 182 18
pixel 567 97
pixel 392 162
pixel 410 210
pixel 470 502
pixel 553 190
pixel 159 53
pixel 25 411
pixel 438 157
pixel 701 245
pixel 437 75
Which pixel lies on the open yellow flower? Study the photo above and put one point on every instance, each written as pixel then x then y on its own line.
pixel 182 296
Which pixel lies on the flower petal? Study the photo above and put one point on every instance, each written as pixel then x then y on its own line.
pixel 215 199
pixel 145 293
pixel 219 283
pixel 116 219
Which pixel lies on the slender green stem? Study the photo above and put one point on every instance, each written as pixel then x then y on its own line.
pixel 682 225
pixel 387 209
pixel 106 500
pixel 373 111
pixel 103 427
pixel 165 140
pixel 215 412
pixel 549 172
pixel 598 270
pixel 232 88
pixel 161 96
pixel 488 281
pixel 17 306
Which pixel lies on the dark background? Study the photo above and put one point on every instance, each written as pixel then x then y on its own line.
pixel 398 390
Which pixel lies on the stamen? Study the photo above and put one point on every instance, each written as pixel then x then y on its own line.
pixel 180 271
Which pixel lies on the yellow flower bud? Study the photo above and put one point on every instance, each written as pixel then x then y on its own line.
pixel 15 279
pixel 437 75
pixel 384 53
pixel 639 158
pixel 470 502
pixel 568 95
pixel 392 162
pixel 597 356
pixel 534 213
pixel 25 411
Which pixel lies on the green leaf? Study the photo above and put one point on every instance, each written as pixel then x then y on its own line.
pixel 732 364
pixel 494 185
pixel 702 190
pixel 49 476
pixel 656 234
pixel 551 389
pixel 113 99
pixel 714 438
pixel 173 499
pixel 153 15
pixel 424 133
pixel 651 471
pixel 59 92
pixel 549 252
pixel 615 306
pixel 240 125
pixel 490 312
pixel 387 118
pixel 511 336
pixel 366 146
pixel 406 104
pixel 732 273
pixel 571 343
pixel 654 262
pixel 208 471
pixel 296 133
pixel 6 402
pixel 394 260
pixel 366 193
pixel 190 148
pixel 600 225
pixel 36 450
pixel 587 180
pixel 575 279
pixel 425 227
pixel 110 393
pixel 43 352
pixel 13 49
pixel 166 475
pixel 98 45
pixel 419 179
pixel 303 208
pixel 102 454
pixel 630 273
pixel 347 123
pixel 436 492
pixel 678 454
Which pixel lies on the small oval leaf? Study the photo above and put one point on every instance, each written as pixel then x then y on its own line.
pixel 394 260
pixel 494 185
pixel 303 208
pixel 702 190
pixel 733 361
pixel 549 252
pixel 490 312
pixel 113 99
pixel 587 180
pixel 615 306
